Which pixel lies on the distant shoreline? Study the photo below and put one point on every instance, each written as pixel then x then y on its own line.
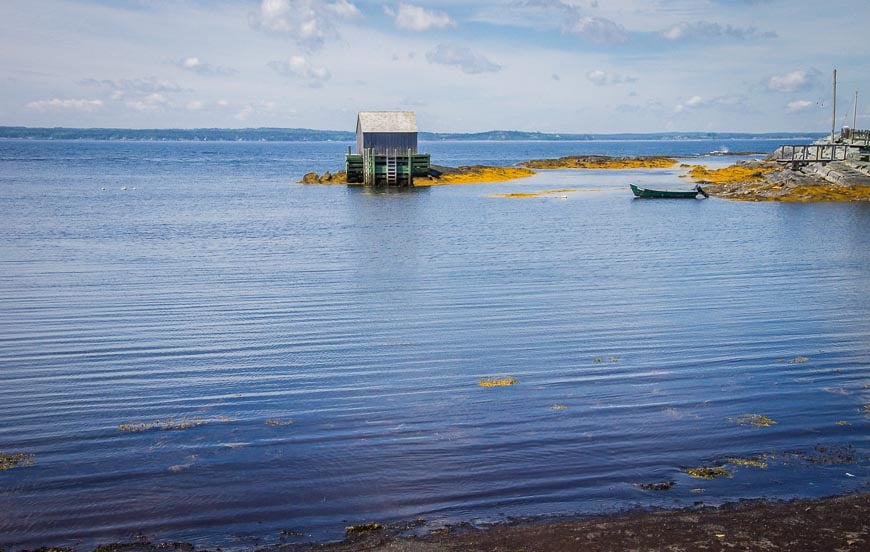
pixel 314 135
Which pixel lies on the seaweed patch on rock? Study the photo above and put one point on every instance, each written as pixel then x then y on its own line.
pixel 169 424
pixel 541 193
pixel 338 177
pixel 503 381
pixel 471 174
pixel 601 162
pixel 364 528
pixel 754 420
pixel 662 486
pixel 15 460
pixel 758 463
pixel 708 472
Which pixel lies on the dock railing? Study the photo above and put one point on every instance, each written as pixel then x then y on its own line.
pixel 856 137
pixel 811 153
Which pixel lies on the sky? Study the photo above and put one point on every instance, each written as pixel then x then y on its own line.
pixel 556 66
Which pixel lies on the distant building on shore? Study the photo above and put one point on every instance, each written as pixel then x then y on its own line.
pixel 386 150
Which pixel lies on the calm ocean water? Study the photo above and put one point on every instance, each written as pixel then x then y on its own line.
pixel 302 358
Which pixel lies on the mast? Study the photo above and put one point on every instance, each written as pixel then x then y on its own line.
pixel 855 113
pixel 834 114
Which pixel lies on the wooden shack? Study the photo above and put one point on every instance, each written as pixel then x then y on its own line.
pixel 386 150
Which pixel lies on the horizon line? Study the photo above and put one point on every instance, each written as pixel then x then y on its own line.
pixel 546 133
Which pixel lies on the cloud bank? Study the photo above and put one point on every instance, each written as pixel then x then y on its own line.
pixel 415 18
pixel 462 57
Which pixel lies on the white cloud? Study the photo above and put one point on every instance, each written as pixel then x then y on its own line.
pixel 194 105
pixel 596 29
pixel 256 109
pixel 415 18
pixel 726 102
pixel 134 90
pixel 244 114
pixel 299 67
pixel 799 105
pixel 308 22
pixel 462 57
pixel 149 102
pixel 707 30
pixel 691 103
pixel 793 81
pixel 195 65
pixel 65 105
pixel 139 94
pixel 604 78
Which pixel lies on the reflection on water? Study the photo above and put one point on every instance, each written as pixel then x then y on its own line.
pixel 306 357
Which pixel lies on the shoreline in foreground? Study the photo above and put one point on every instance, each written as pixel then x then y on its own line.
pixel 833 523
pixel 836 523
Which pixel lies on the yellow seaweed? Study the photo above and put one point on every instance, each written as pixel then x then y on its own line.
pixel 540 193
pixel 601 162
pixel 708 472
pixel 475 174
pixel 364 528
pixel 338 177
pixel 748 463
pixel 168 424
pixel 279 423
pixel 504 381
pixel 15 460
pixel 754 420
pixel 730 174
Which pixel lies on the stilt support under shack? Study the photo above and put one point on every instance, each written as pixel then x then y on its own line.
pixel 372 169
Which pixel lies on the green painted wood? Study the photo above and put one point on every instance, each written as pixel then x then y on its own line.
pixel 666 194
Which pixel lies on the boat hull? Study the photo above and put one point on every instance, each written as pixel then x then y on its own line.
pixel 665 194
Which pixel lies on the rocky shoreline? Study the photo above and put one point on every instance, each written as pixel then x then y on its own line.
pixel 839 523
pixel 771 181
pixel 835 523
pixel 764 180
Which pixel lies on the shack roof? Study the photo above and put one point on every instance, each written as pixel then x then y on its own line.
pixel 387 121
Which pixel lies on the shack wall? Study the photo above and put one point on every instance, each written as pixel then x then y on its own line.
pixel 387 143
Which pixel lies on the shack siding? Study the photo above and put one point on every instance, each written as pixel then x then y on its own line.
pixel 392 143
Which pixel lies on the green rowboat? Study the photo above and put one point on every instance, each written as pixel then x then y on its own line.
pixel 671 194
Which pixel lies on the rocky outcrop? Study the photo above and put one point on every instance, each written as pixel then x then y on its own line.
pixel 339 177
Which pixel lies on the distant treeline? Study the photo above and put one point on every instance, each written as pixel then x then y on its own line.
pixel 309 135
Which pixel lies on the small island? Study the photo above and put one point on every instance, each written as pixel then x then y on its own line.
pixel 831 169
pixel 763 180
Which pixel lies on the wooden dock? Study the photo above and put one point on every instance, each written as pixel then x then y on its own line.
pixel 798 155
pixel 373 169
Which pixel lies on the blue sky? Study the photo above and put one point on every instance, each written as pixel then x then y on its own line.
pixel 598 66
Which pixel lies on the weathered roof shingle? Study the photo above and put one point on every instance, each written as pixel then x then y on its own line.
pixel 387 121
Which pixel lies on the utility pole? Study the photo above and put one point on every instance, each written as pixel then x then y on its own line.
pixel 834 114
